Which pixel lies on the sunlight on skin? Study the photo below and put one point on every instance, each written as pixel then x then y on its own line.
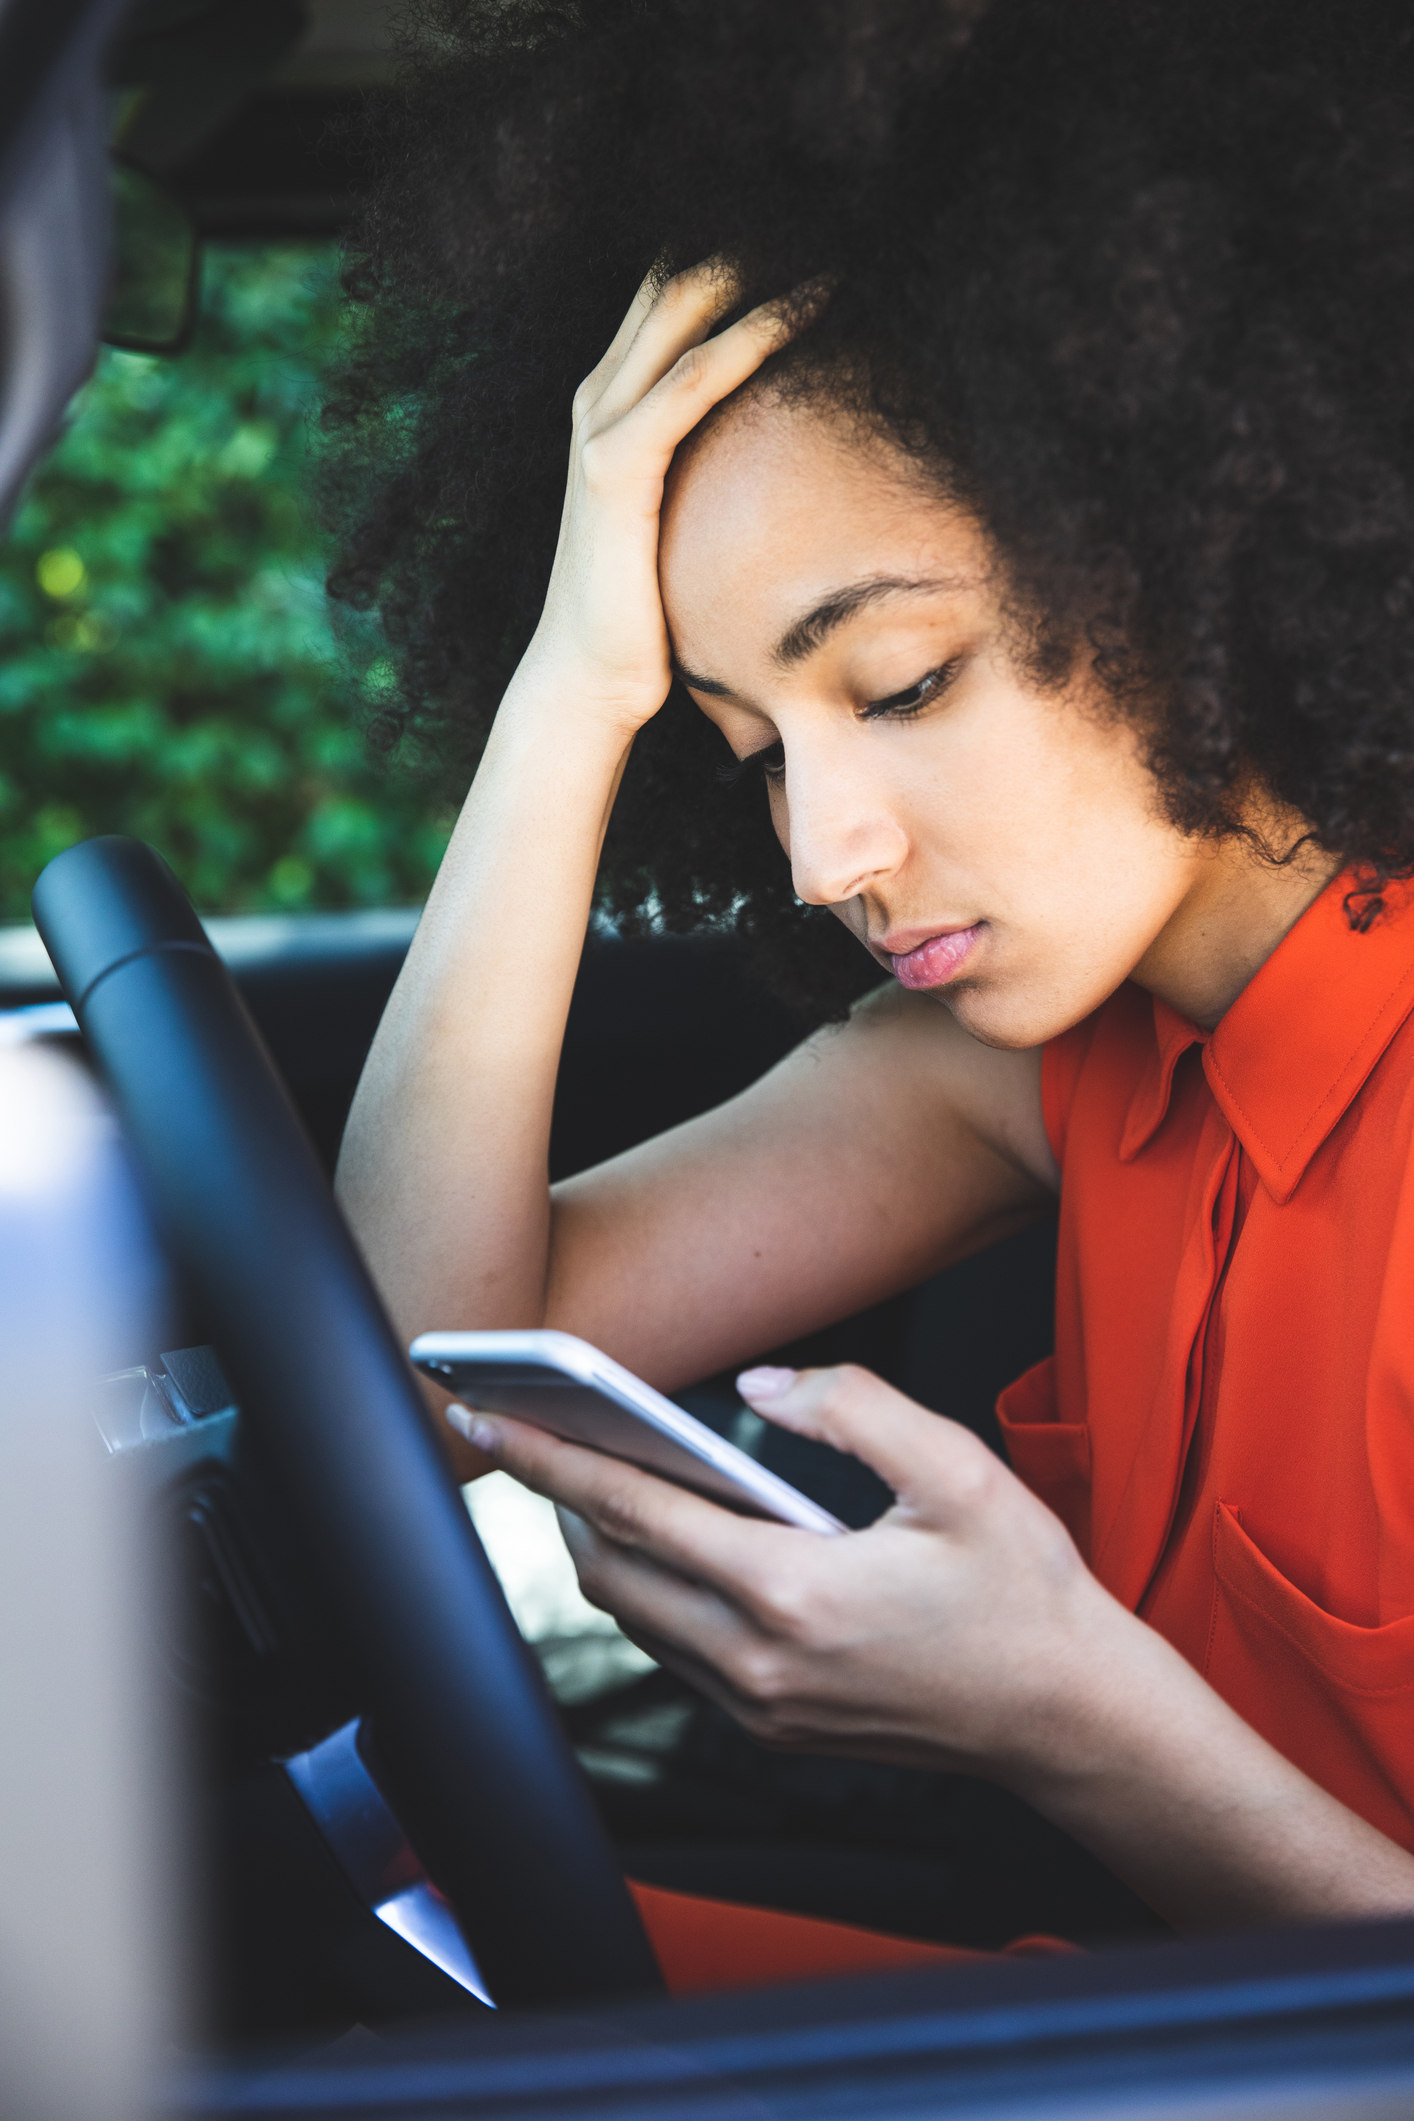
pixel 955 817
pixel 1025 821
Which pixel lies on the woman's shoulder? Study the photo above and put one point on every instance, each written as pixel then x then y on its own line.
pixel 1020 1100
pixel 936 1067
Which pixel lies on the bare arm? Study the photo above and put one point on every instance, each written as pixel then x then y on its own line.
pixel 871 1156
pixel 442 1171
pixel 875 1154
pixel 443 1167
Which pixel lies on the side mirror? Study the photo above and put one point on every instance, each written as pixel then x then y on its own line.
pixel 153 303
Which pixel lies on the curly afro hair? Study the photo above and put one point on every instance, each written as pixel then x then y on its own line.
pixel 1135 277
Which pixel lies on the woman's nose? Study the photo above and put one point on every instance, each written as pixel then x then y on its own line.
pixel 842 836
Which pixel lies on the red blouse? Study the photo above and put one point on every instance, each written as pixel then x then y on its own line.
pixel 1227 1424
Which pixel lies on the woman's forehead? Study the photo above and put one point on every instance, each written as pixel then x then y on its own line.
pixel 763 446
pixel 779 508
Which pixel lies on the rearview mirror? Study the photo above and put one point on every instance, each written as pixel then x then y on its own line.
pixel 153 304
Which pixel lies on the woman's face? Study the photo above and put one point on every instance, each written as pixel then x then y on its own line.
pixel 997 846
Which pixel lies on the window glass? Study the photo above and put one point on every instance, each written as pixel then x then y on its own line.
pixel 167 665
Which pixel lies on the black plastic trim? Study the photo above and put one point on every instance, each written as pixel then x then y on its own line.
pixel 481 1772
pixel 1269 2025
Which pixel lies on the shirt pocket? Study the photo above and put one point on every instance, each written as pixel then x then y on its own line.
pixel 1051 1457
pixel 1333 1697
pixel 1359 1660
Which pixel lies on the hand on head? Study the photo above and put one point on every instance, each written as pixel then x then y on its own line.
pixel 602 635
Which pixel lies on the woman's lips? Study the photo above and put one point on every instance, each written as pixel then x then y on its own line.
pixel 936 961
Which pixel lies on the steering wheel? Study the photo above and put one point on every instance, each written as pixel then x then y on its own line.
pixel 488 1790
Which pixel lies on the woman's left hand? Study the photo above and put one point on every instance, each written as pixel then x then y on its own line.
pixel 961 1631
pixel 955 1632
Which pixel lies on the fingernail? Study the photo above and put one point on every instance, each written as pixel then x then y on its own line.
pixel 765 1382
pixel 484 1435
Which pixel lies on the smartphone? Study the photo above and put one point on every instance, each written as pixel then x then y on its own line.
pixel 562 1384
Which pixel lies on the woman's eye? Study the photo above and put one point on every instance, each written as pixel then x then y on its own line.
pixel 769 762
pixel 902 704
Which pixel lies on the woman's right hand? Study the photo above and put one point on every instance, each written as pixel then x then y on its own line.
pixel 602 642
pixel 442 1168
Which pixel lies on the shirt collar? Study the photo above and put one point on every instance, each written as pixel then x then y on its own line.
pixel 1287 1060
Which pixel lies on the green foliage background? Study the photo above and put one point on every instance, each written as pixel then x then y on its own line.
pixel 167 664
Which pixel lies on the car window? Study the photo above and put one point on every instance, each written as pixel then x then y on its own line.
pixel 168 668
pixel 167 663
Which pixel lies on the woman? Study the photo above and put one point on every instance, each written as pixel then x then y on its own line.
pixel 1047 552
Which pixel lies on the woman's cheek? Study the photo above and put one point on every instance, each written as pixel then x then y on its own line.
pixel 780 814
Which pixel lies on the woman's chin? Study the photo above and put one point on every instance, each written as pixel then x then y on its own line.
pixel 1002 1016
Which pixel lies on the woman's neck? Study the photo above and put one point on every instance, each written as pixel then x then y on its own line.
pixel 1228 925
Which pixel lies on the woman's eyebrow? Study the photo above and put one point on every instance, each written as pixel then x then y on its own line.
pixel 805 636
pixel 696 684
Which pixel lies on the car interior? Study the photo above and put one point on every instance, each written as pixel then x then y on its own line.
pixel 412 1826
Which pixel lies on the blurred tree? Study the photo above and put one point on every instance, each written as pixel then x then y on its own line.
pixel 167 665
